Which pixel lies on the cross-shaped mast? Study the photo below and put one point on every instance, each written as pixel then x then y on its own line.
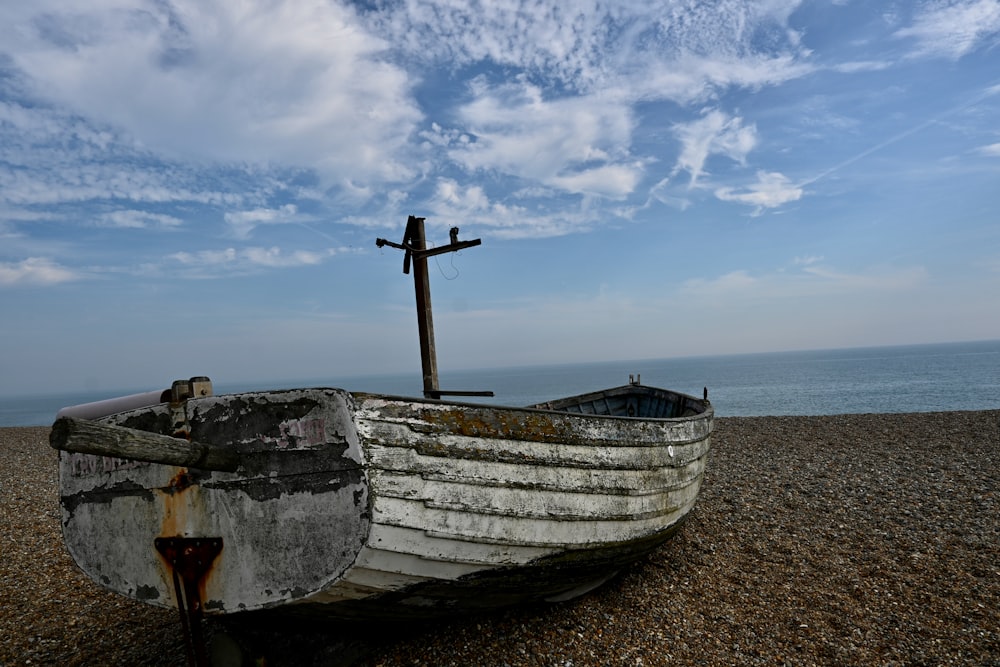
pixel 415 245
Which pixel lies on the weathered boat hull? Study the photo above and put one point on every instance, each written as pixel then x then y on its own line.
pixel 359 504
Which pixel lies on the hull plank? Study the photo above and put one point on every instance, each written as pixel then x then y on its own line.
pixel 529 531
pixel 391 460
pixel 428 545
pixel 524 503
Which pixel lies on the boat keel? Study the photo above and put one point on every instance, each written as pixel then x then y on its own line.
pixel 190 559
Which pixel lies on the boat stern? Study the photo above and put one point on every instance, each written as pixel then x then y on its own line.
pixel 290 519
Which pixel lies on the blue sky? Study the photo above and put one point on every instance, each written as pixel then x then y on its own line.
pixel 193 187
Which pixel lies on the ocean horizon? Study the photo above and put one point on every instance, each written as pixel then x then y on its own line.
pixel 937 377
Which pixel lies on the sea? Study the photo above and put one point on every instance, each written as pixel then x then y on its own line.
pixel 909 378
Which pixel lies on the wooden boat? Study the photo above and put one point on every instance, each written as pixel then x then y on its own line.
pixel 356 504
pixel 360 505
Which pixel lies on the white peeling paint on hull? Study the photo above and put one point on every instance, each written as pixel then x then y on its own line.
pixel 292 519
pixel 362 504
pixel 437 546
pixel 451 499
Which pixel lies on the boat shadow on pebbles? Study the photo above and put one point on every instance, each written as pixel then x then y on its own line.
pixel 283 639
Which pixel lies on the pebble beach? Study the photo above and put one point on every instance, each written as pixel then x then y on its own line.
pixel 834 540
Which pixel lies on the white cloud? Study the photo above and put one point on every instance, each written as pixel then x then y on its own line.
pixel 274 257
pixel 207 257
pixel 292 83
pixel 135 90
pixel 886 280
pixel 244 222
pixel 770 191
pixel 811 280
pixel 661 193
pixel 700 78
pixel 853 67
pixel 951 29
pixel 993 150
pixel 471 199
pixel 575 144
pixel 666 50
pixel 132 219
pixel 15 214
pixel 454 205
pixel 53 157
pixel 613 180
pixel 715 133
pixel 565 39
pixel 34 271
pixel 61 181
pixel 206 263
pixel 735 281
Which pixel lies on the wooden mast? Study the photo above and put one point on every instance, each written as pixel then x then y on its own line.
pixel 415 245
pixel 425 318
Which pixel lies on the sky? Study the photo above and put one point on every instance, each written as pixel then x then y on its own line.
pixel 195 188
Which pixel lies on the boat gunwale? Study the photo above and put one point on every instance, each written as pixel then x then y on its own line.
pixel 706 413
